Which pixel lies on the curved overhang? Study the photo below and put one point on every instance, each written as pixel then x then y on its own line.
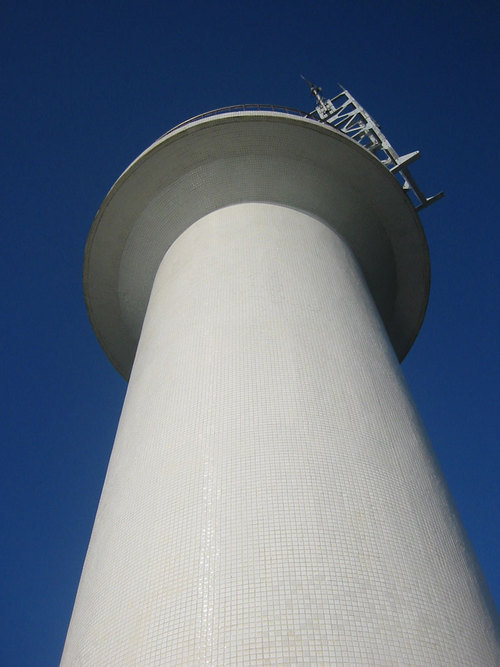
pixel 241 157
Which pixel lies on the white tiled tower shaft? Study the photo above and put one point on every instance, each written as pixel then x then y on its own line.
pixel 272 497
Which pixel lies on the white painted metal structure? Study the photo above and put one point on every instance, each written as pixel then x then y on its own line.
pixel 271 497
pixel 345 113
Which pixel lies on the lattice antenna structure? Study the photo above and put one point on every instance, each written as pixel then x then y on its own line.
pixel 345 113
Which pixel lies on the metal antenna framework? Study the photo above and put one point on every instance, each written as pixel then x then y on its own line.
pixel 345 114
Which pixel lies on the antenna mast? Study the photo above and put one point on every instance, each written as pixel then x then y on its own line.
pixel 344 113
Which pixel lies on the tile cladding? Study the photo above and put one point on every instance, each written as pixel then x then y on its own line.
pixel 272 498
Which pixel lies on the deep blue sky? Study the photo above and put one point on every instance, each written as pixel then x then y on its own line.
pixel 86 87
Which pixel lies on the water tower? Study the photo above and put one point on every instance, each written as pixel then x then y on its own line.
pixel 257 274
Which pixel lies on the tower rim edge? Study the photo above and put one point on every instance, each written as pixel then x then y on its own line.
pixel 236 136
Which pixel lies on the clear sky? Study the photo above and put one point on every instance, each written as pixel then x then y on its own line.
pixel 86 87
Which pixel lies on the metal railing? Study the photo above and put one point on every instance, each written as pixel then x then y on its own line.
pixel 240 107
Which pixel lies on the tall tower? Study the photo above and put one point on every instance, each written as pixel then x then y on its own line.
pixel 272 497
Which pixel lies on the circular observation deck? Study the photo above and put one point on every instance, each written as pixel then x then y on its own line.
pixel 236 156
